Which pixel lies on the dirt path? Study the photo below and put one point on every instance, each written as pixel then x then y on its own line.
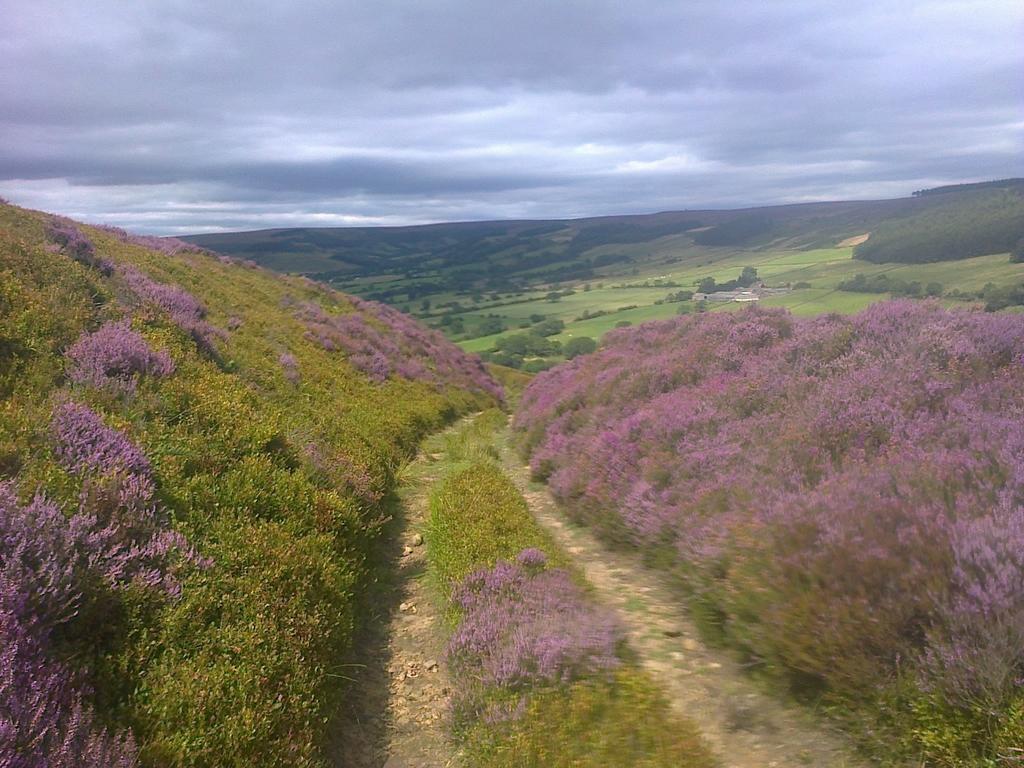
pixel 399 691
pixel 745 727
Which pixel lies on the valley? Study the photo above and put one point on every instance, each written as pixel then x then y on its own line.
pixel 563 280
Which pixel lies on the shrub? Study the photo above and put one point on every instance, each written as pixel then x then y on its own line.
pixel 537 666
pixel 590 724
pixel 115 357
pixel 185 310
pixel 43 719
pixel 290 367
pixel 83 443
pixel 72 241
pixel 522 624
pixel 579 345
pixel 226 659
pixel 463 539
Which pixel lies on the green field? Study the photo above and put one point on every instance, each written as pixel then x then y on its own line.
pixel 822 268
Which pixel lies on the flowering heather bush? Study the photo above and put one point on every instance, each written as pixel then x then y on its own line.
pixel 115 357
pixel 290 366
pixel 235 670
pixel 381 341
pixel 845 494
pixel 43 721
pixel 187 312
pixel 47 561
pixel 66 234
pixel 524 625
pixel 84 443
pixel 125 538
pixel 169 246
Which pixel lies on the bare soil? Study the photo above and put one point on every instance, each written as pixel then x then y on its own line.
pixel 397 699
pixel 855 240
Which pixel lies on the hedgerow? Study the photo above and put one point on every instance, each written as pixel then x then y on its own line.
pixel 841 498
pixel 538 665
pixel 190 508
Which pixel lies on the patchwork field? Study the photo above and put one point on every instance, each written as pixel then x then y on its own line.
pixel 822 269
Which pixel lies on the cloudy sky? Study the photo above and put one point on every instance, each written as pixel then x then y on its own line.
pixel 173 116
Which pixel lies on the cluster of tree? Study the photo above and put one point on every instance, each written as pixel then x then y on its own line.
pixel 532 352
pixel 548 327
pixel 651 284
pixel 1017 254
pixel 528 345
pixel 748 276
pixel 607 259
pixel 676 297
pixel 453 325
pixel 883 283
pixel 974 186
pixel 588 314
pixel 553 296
pixel 998 297
pixel 965 225
pixel 490 325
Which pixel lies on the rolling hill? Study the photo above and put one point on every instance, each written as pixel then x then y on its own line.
pixel 481 283
pixel 408 263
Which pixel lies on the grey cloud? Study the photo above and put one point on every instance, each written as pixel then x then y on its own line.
pixel 206 114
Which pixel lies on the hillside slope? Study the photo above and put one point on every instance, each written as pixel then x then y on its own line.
pixel 409 263
pixel 840 498
pixel 959 224
pixel 193 456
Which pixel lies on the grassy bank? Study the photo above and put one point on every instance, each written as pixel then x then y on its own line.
pixel 200 426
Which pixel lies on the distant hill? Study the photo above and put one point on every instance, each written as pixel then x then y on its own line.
pixel 420 261
pixel 961 221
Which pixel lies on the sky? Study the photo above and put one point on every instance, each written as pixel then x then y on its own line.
pixel 182 116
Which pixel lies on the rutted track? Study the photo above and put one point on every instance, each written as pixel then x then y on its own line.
pixel 400 690
pixel 745 727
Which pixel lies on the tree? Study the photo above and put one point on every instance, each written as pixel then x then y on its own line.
pixel 748 276
pixel 707 285
pixel 549 327
pixel 579 345
pixel 489 325
pixel 1017 255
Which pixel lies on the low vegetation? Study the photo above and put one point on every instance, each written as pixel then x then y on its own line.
pixel 840 499
pixel 539 668
pixel 193 453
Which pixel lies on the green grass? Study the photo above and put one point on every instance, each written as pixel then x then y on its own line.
pixel 622 722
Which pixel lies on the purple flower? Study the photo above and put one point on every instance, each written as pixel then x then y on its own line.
pixel 187 312
pixel 115 357
pixel 531 557
pixel 522 625
pixel 846 491
pixel 71 240
pixel 44 722
pixel 290 365
pixel 84 443
pixel 381 341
